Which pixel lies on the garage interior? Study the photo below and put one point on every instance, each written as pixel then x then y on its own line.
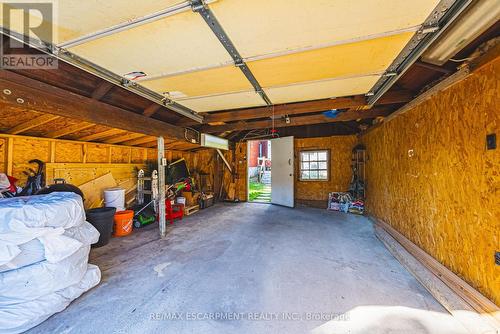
pixel 378 210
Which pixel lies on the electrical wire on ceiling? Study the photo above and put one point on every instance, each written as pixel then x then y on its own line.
pixel 258 134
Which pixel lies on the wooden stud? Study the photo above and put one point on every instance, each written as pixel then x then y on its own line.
pixel 52 151
pixel 40 120
pixel 99 135
pixel 84 153
pixel 10 152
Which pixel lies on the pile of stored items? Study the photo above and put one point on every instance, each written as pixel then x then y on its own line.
pixel 344 202
pixel 44 249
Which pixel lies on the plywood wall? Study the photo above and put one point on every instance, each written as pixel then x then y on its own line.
pixel 80 162
pixel 315 193
pixel 431 177
pixel 237 158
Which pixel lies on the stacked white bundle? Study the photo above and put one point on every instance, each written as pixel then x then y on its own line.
pixel 44 249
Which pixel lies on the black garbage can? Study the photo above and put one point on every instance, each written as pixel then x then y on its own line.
pixel 102 220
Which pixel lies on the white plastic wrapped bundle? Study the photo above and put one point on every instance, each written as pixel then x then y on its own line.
pixel 43 217
pixel 17 318
pixel 58 209
pixel 34 281
pixel 44 248
pixel 33 251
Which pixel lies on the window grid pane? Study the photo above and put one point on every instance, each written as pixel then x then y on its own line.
pixel 314 165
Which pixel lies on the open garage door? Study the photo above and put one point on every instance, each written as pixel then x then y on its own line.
pixel 282 177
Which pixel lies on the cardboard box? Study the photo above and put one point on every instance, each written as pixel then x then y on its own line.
pixel 191 197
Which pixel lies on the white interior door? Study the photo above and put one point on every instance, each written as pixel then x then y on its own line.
pixel 282 172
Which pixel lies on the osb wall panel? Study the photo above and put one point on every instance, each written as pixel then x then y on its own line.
pixel 68 152
pixel 79 174
pixel 97 153
pixel 431 177
pixel 120 154
pixel 138 155
pixel 24 150
pixel 340 173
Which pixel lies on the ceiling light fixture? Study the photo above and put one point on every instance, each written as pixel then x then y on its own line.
pixel 472 23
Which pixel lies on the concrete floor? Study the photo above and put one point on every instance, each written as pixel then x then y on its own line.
pixel 253 268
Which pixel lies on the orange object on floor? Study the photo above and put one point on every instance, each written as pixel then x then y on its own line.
pixel 123 223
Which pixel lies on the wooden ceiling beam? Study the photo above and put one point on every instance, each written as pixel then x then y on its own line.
pixel 40 120
pixel 391 97
pixel 68 130
pixel 31 94
pixel 102 90
pixel 100 135
pixel 433 67
pixel 151 110
pixel 350 115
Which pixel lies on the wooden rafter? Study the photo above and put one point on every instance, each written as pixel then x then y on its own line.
pixel 290 109
pixel 139 141
pixel 350 115
pixel 154 144
pixel 123 138
pixel 42 97
pixel 100 135
pixel 68 130
pixel 40 120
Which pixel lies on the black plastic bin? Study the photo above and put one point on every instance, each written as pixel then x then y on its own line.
pixel 102 220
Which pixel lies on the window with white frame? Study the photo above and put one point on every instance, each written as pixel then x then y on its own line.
pixel 314 165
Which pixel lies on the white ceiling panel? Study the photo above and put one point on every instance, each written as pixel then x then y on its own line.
pixel 321 89
pixel 261 27
pixel 76 18
pixel 223 102
pixel 177 43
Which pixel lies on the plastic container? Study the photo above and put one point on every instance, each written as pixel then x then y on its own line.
pixel 123 223
pixel 102 220
pixel 115 197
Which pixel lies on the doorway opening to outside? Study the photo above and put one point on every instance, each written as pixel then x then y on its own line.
pixel 259 171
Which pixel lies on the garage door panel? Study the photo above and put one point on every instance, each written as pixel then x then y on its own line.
pixel 224 102
pixel 281 25
pixel 322 89
pixel 77 18
pixel 213 81
pixel 366 57
pixel 174 44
